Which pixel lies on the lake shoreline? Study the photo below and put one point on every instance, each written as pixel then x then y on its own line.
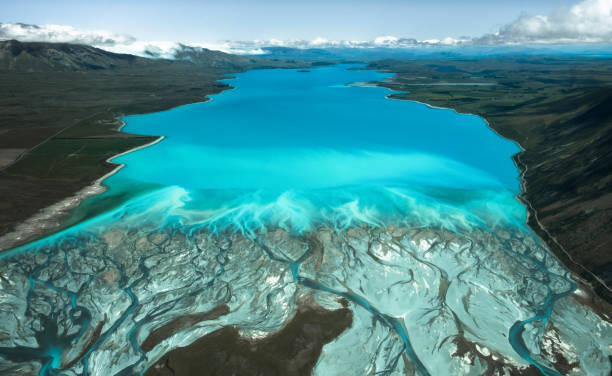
pixel 52 219
pixel 533 222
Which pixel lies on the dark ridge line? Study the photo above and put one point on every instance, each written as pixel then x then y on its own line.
pixel 180 323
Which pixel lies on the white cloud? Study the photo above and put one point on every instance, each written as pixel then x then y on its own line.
pixel 120 43
pixel 589 21
pixel 386 41
pixel 61 33
pixel 320 41
pixel 106 40
pixel 156 49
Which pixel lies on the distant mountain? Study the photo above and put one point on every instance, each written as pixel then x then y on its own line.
pixel 64 57
pixel 304 53
pixel 204 57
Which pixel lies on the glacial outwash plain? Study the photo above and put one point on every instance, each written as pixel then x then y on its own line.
pixel 291 215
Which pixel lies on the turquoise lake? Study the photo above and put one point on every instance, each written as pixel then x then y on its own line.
pixel 296 149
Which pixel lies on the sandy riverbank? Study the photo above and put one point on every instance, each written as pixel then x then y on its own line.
pixel 49 219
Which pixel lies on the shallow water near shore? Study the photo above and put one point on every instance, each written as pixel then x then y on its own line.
pixel 298 185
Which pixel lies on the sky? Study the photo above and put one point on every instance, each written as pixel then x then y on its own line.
pixel 155 27
pixel 195 21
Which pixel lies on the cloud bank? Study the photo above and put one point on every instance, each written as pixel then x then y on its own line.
pixel 106 40
pixel 120 43
pixel 61 34
pixel 387 41
pixel 588 21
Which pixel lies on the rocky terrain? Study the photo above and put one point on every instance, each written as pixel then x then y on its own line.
pixel 112 298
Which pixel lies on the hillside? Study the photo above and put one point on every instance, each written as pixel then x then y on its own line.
pixel 204 57
pixel 62 57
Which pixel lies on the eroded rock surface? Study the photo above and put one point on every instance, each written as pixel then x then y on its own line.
pixel 422 301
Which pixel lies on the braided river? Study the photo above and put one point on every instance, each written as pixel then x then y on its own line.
pixel 303 186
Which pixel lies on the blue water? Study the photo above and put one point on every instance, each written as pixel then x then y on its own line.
pixel 296 149
pixel 601 50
